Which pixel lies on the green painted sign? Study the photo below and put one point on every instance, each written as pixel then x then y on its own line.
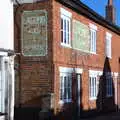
pixel 81 36
pixel 34 33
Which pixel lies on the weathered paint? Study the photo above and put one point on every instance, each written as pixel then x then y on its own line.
pixel 81 36
pixel 34 33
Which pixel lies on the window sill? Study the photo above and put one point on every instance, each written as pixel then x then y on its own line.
pixel 66 45
pixel 94 53
pixel 93 98
pixel 61 102
pixel 69 46
pixel 108 96
pixel 107 56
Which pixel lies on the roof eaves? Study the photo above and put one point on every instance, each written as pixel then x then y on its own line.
pixel 81 8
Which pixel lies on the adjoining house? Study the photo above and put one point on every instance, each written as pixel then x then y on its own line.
pixel 6 61
pixel 69 57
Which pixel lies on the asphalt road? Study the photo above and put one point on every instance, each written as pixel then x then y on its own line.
pixel 111 116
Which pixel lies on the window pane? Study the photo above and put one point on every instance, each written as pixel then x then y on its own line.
pixel 93 40
pixel 65 87
pixel 64 31
pixel 62 36
pixel 69 93
pixel 61 23
pixel 93 87
pixel 90 87
pixel 61 90
pixel 67 32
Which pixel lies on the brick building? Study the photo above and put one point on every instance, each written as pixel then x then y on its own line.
pixel 69 56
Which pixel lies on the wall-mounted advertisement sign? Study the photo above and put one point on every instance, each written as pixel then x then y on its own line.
pixel 34 33
pixel 81 36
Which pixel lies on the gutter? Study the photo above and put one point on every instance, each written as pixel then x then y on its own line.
pixel 84 10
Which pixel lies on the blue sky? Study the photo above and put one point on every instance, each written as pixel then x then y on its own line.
pixel 99 7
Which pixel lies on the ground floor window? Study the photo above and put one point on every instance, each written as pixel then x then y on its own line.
pixel 65 87
pixel 1 88
pixel 2 85
pixel 93 87
pixel 94 77
pixel 109 86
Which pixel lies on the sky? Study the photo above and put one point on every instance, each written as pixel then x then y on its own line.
pixel 99 7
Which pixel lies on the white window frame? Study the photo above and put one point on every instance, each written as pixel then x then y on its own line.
pixel 108 46
pixel 64 71
pixel 93 38
pixel 93 80
pixel 109 85
pixel 93 89
pixel 65 27
pixel 65 86
pixel 3 83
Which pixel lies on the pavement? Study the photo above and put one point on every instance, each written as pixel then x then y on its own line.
pixel 110 116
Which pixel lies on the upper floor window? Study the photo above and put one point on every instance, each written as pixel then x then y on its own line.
pixel 93 36
pixel 65 27
pixel 108 45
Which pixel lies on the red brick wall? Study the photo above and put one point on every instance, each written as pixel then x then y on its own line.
pixel 33 74
pixel 39 75
pixel 67 57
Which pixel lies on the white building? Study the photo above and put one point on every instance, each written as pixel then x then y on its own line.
pixel 6 61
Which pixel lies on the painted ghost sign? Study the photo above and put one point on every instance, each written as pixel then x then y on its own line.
pixel 34 33
pixel 81 36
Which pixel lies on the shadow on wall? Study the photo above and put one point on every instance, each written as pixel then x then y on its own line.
pixel 34 108
pixel 105 101
pixel 106 92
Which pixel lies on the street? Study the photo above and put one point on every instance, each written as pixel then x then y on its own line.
pixel 109 116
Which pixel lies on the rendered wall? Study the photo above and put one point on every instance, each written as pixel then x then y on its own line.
pixel 6 24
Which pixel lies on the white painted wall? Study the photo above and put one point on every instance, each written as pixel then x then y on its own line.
pixel 6 24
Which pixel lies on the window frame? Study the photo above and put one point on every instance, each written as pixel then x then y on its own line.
pixel 94 74
pixel 65 28
pixel 109 85
pixel 65 98
pixel 64 71
pixel 108 45
pixel 93 38
pixel 93 90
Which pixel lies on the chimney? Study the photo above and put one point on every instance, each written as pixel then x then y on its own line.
pixel 110 11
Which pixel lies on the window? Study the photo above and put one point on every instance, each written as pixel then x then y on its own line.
pixel 108 45
pixel 93 87
pixel 65 87
pixel 1 87
pixel 93 35
pixel 65 27
pixel 66 83
pixel 109 88
pixel 93 83
pixel 3 83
